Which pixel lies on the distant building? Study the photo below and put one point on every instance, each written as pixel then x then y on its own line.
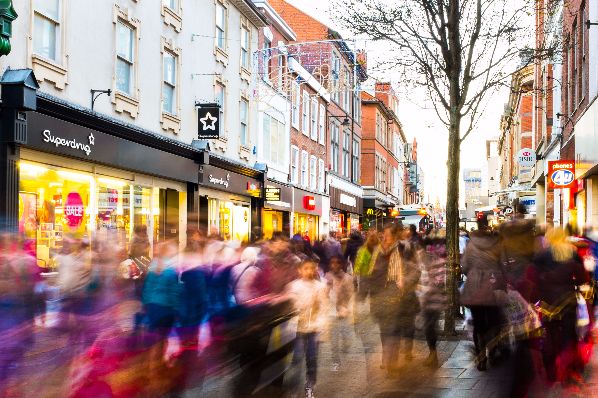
pixel 475 197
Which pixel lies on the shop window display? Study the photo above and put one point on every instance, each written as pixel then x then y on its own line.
pixel 306 225
pixel 231 221
pixel 55 203
pixel 52 203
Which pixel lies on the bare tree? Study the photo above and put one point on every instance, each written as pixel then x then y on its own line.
pixel 458 51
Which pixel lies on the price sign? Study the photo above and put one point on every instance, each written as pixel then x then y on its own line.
pixel 560 174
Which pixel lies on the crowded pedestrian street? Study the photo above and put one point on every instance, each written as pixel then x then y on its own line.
pixel 298 198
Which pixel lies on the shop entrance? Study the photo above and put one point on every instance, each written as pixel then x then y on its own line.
pixel 169 206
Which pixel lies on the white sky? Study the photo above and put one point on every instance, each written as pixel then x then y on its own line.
pixel 424 125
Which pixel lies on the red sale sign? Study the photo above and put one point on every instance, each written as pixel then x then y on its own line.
pixel 74 210
pixel 560 174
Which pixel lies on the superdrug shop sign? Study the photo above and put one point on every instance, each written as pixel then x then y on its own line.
pixel 224 180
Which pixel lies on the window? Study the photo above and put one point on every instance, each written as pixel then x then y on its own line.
pixel 347 90
pixel 336 71
pixel 273 140
pixel 321 175
pixel 294 164
pixel 172 4
pixel 266 55
pixel 295 94
pixel 281 71
pixel 220 26
pixel 322 125
pixel 169 84
pixel 378 127
pixel 245 48
pixel 304 176
pixel 314 119
pixel 125 51
pixel 46 28
pixel 313 182
pixel 346 152
pixel 355 162
pixel 244 119
pixel 357 104
pixel 334 146
pixel 305 110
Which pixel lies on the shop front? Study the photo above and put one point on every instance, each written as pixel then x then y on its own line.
pixel 277 209
pixel 75 181
pixel 307 211
pixel 228 202
pixel 345 212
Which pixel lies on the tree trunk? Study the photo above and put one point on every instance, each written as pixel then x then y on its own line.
pixel 452 222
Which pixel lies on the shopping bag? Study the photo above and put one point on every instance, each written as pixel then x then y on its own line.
pixel 522 317
pixel 583 316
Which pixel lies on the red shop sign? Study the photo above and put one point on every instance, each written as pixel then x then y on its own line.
pixel 74 210
pixel 309 203
pixel 560 174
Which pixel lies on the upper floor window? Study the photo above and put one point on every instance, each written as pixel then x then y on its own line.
pixel 304 165
pixel 169 83
pixel 46 28
pixel 305 112
pixel 244 118
pixel 347 90
pixel 336 71
pixel 245 48
pixel 172 4
pixel 266 52
pixel 321 175
pixel 294 164
pixel 125 61
pixel 274 140
pixel 313 163
pixel 295 100
pixel 220 26
pixel 355 162
pixel 334 146
pixel 281 71
pixel 314 119
pixel 322 125
pixel 346 152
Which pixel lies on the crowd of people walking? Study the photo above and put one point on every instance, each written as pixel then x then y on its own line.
pixel 249 307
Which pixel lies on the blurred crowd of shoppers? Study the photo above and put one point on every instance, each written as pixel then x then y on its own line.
pixel 152 320
pixel 531 296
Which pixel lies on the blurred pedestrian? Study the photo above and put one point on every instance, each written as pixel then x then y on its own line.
pixel 555 275
pixel 341 291
pixel 353 244
pixel 434 299
pixel 481 265
pixel 139 252
pixel 309 298
pixel 364 264
pixel 161 301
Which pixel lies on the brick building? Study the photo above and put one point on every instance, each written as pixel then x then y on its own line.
pixel 516 132
pixel 383 142
pixel 326 56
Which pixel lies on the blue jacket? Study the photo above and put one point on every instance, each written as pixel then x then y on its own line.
pixel 162 288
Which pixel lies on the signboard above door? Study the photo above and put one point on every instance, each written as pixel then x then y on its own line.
pixel 208 121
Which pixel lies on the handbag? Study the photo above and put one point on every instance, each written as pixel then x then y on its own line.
pixel 583 316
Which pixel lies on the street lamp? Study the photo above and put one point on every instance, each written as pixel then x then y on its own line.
pixel 7 15
pixel 345 122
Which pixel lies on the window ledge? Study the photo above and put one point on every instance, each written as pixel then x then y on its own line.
pixel 221 56
pixel 170 122
pixel 220 144
pixel 45 69
pixel 124 103
pixel 172 18
pixel 245 74
pixel 245 152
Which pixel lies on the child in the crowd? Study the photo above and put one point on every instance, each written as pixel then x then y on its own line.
pixel 309 297
pixel 340 287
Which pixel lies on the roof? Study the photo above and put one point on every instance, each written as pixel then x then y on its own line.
pixel 24 77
